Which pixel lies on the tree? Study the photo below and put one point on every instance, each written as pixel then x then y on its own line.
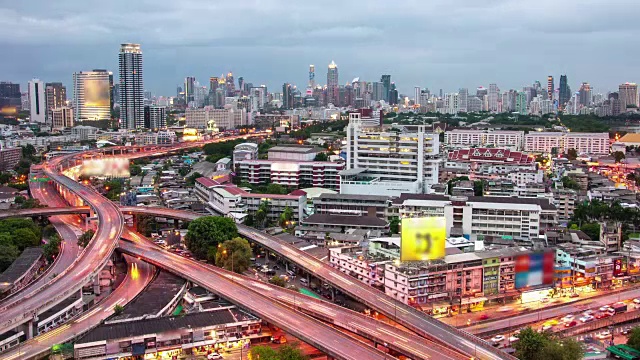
pixel 28 151
pixel 5 177
pixel 569 183
pixel 264 353
pixel 249 220
pixel 135 170
pixel 52 247
pixel 286 352
pixel 208 231
pixel 191 179
pixel 478 188
pixel 24 238
pixel 30 203
pixel 566 349
pixel 592 230
pixel 146 225
pixel 322 156
pixel 8 254
pixel 234 255
pixel 572 154
pixel 618 156
pixel 84 239
pixel 114 189
pixel 48 231
pixel 275 189
pixel 261 214
pixel 118 309
pixel 278 281
pixel 634 338
pixel 394 225
pixel 530 344
pixel 285 217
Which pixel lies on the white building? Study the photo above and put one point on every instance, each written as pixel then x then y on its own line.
pixel 470 138
pixel 583 143
pixel 212 118
pixel 156 116
pixel 38 109
pixel 389 163
pixel 92 95
pixel 514 218
pixel 84 132
pixel 61 117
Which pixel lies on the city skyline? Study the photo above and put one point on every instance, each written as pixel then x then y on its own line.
pixel 483 44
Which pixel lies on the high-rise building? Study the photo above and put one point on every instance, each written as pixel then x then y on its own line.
pixel 550 87
pixel 565 92
pixel 61 117
pixel 386 85
pixel 463 100
pixel 628 96
pixel 332 83
pixel 92 95
pixel 481 91
pixel 241 85
pixel 377 92
pixel 189 88
pixel 155 117
pixel 56 97
pixel 312 77
pixel 38 109
pixel 393 94
pixel 493 97
pixel 287 96
pixel 584 94
pixel 521 103
pixel 10 97
pixel 231 86
pixel 131 86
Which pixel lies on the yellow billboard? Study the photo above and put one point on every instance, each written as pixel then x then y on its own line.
pixel 422 238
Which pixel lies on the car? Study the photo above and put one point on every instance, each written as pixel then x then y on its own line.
pixel 546 327
pixel 304 282
pixel 574 295
pixel 552 322
pixel 571 323
pixel 513 338
pixel 636 301
pixel 568 318
pixel 498 338
pixel 483 317
pixel 214 356
pixel 504 309
pixel 586 318
pixel 590 312
pixel 604 308
pixel 291 273
pixel 626 331
pixel 279 339
pixel 604 335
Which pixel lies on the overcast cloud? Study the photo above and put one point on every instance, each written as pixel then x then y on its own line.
pixel 443 44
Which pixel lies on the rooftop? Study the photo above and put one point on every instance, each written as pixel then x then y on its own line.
pixel 630 137
pixel 19 266
pixel 331 196
pixel 295 149
pixel 345 220
pixel 543 203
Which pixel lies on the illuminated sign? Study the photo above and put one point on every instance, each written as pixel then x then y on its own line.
pixel 423 238
pixel 96 93
pixel 107 167
pixel 534 269
pixel 619 267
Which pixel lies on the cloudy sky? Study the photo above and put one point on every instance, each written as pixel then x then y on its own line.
pixel 434 44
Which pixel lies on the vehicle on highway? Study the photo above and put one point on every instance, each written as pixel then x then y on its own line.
pixel 504 309
pixel 513 338
pixel 619 308
pixel 571 323
pixel 291 273
pixel 497 338
pixel 568 318
pixel 552 322
pixel 626 331
pixel 604 308
pixel 214 356
pixel 591 312
pixel 304 282
pixel 604 335
pixel 546 327
pixel 279 339
pixel 574 295
pixel 483 317
pixel 586 318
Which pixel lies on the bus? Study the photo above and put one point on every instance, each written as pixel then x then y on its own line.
pixel 623 352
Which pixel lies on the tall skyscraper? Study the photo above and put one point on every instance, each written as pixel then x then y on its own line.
pixel 231 86
pixel 386 84
pixel 332 83
pixel 550 87
pixel 131 86
pixel 287 96
pixel 493 97
pixel 416 95
pixel 312 77
pixel 628 96
pixel 189 88
pixel 564 94
pixel 38 109
pixel 241 84
pixel 584 94
pixel 92 95
pixel 155 117
pixel 463 96
pixel 10 97
pixel 56 97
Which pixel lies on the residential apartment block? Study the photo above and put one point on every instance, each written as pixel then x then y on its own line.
pixel 290 173
pixel 583 143
pixel 485 138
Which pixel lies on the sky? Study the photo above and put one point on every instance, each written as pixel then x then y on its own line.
pixel 435 44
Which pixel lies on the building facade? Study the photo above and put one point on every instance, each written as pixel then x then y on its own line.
pixel 61 117
pixel 37 102
pixel 583 143
pixel 290 173
pixel 470 138
pixel 92 96
pixel 131 86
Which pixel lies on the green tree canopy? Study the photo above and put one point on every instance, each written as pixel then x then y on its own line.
pixel 533 345
pixel 234 255
pixel 618 156
pixel 84 239
pixel 286 217
pixel 634 338
pixel 321 157
pixel 278 281
pixel 8 254
pixel 52 247
pixel 135 170
pixel 209 231
pixel 191 179
pixel 286 352
pixel 24 238
pixel 572 154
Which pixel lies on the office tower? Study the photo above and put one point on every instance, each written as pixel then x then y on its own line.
pixel 441 93
pixel 131 87
pixel 393 94
pixel 231 86
pixel 61 117
pixel 287 96
pixel 584 94
pixel 219 97
pixel 463 100
pixel 521 103
pixel 241 84
pixel 451 103
pixel 189 84
pixel 493 97
pixel 386 84
pixel 213 84
pixel 332 84
pixel 416 95
pixel 550 87
pixel 155 117
pixel 10 97
pixel 564 93
pixel 56 97
pixel 312 76
pixel 92 95
pixel 481 91
pixel 38 105
pixel 628 96
pixel 377 91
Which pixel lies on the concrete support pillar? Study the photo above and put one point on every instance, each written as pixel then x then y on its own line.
pixel 176 224
pixel 30 329
pixel 135 221
pixel 333 295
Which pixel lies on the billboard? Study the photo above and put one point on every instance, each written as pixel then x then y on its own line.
pixel 106 167
pixel 97 93
pixel 534 269
pixel 620 267
pixel 423 238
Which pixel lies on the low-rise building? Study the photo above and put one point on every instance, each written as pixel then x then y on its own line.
pixel 327 223
pixel 560 142
pixel 485 138
pixel 245 151
pixel 290 173
pixel 9 157
pixel 359 205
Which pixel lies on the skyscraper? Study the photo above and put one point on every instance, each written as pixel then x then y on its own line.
pixel 56 97
pixel 312 77
pixel 628 96
pixel 416 95
pixel 189 88
pixel 564 94
pixel 332 83
pixel 584 94
pixel 241 84
pixel 287 96
pixel 493 97
pixel 155 117
pixel 386 84
pixel 38 109
pixel 463 96
pixel 550 87
pixel 231 86
pixel 131 86
pixel 92 95
pixel 10 97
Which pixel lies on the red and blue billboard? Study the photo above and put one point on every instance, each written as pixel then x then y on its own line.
pixel 534 269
